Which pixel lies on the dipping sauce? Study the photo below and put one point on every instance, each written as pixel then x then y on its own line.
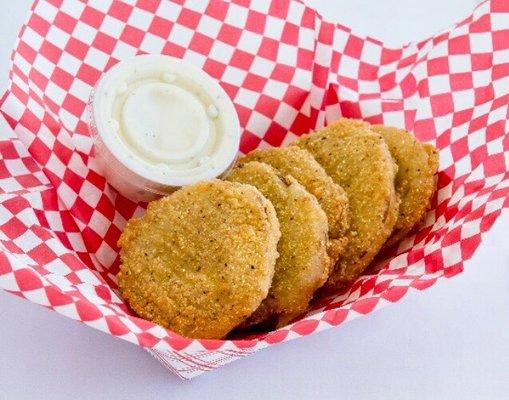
pixel 160 123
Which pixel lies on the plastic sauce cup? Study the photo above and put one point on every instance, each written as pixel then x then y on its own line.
pixel 160 123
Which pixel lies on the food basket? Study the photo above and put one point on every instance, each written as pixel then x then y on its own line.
pixel 288 71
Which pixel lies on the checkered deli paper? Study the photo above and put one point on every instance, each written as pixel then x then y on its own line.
pixel 288 71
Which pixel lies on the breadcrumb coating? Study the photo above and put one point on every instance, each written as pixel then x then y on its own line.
pixel 417 164
pixel 200 260
pixel 301 165
pixel 303 264
pixel 415 184
pixel 358 160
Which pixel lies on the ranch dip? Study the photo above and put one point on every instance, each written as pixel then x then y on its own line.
pixel 160 123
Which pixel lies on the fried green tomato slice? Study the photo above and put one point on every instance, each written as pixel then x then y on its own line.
pixel 303 264
pixel 301 165
pixel 358 160
pixel 415 184
pixel 200 260
pixel 417 164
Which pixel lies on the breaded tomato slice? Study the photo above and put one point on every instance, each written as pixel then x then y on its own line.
pixel 303 264
pixel 200 260
pixel 301 165
pixel 358 160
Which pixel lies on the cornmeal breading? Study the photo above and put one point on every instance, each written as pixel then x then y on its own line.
pixel 200 260
pixel 358 160
pixel 303 264
pixel 301 165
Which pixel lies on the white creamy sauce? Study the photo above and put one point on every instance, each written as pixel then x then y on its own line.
pixel 166 122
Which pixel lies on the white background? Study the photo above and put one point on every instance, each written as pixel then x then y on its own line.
pixel 449 342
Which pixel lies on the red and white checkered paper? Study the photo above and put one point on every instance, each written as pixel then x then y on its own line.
pixel 287 70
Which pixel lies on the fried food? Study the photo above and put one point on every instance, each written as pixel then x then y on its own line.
pixel 202 259
pixel 415 184
pixel 417 165
pixel 358 160
pixel 301 165
pixel 303 264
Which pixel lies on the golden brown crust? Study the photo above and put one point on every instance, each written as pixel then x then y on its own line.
pixel 415 183
pixel 417 165
pixel 433 159
pixel 358 160
pixel 303 264
pixel 301 165
pixel 202 259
